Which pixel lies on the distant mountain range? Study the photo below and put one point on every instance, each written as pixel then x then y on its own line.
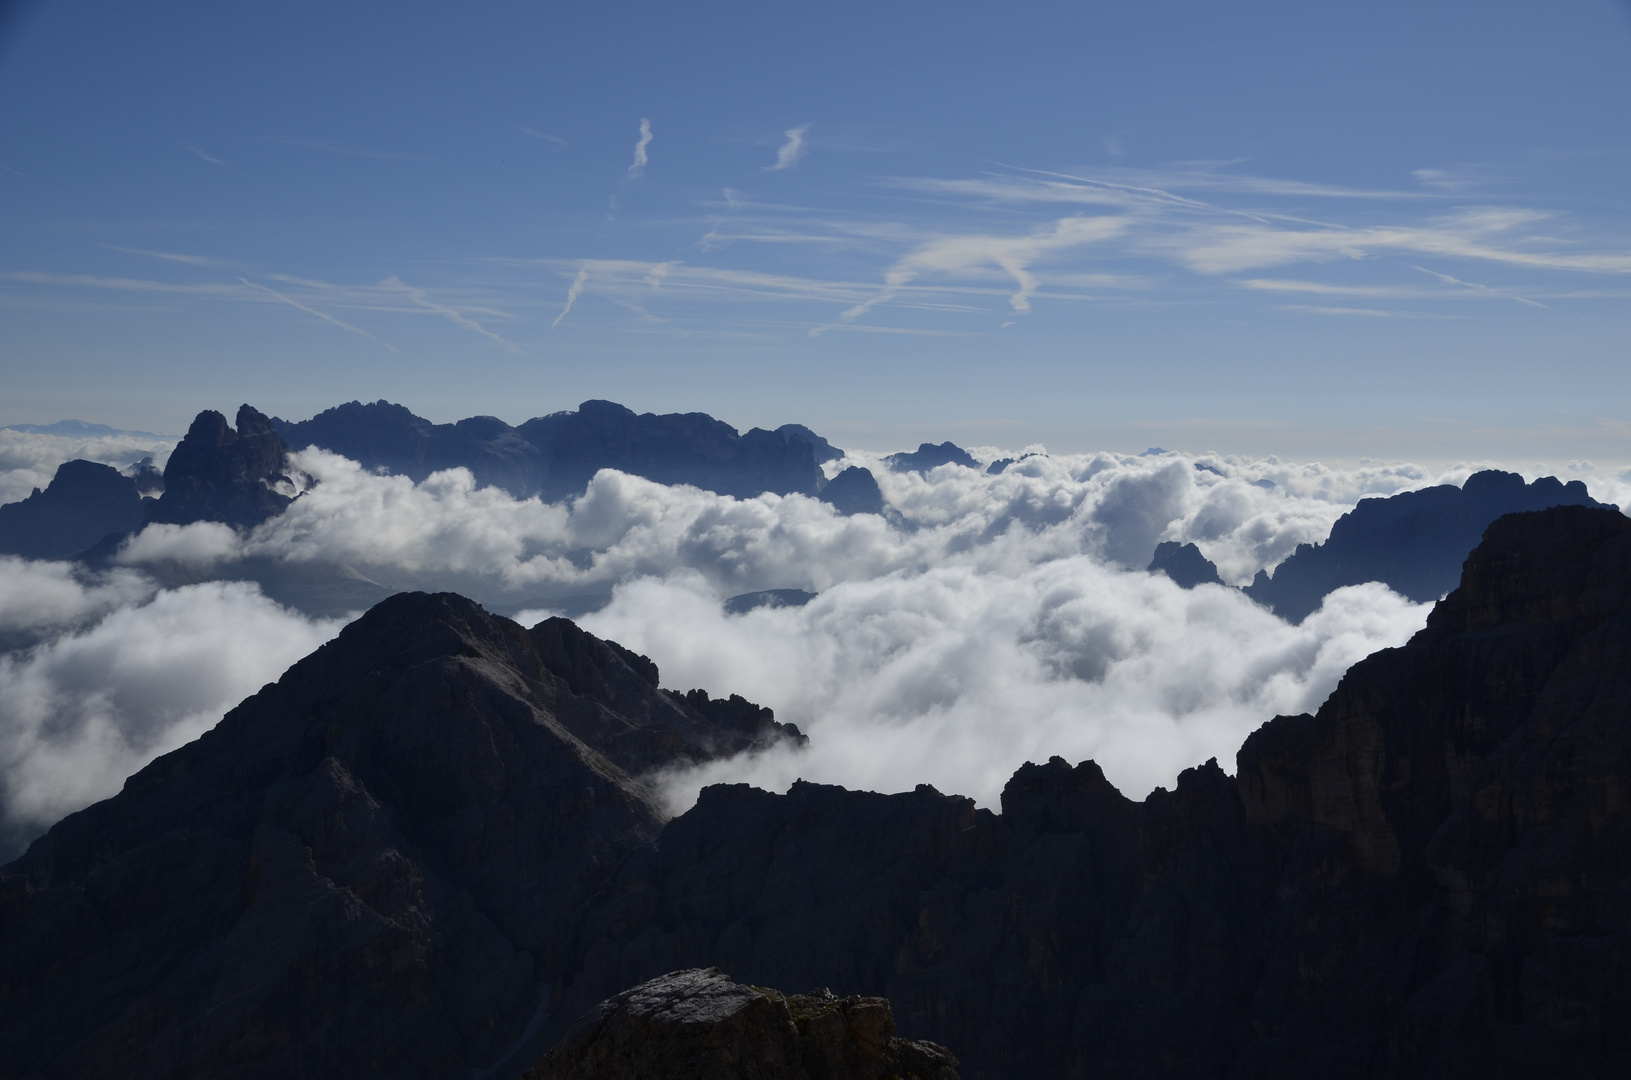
pixel 1413 542
pixel 79 429
pixel 431 846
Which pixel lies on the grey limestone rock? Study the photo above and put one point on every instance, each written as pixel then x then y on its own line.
pixel 698 1023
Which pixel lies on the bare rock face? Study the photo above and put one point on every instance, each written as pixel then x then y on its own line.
pixel 373 867
pixel 85 502
pixel 699 1023
pixel 223 473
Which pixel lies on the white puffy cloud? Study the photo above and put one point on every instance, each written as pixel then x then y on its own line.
pixel 29 460
pixel 988 619
pixel 83 711
pixel 37 597
pixel 957 675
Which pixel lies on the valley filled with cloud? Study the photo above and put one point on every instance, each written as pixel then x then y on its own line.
pixel 981 621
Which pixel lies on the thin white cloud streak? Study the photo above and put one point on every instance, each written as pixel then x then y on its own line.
pixel 167 256
pixel 83 711
pixel 572 293
pixel 637 169
pixel 558 142
pixel 202 155
pixel 792 151
pixel 422 299
pixel 1483 290
pixel 1013 254
pixel 325 316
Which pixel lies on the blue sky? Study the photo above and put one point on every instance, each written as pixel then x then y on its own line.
pixel 1394 230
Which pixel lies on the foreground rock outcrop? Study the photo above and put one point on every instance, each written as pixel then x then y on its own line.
pixel 698 1023
pixel 373 867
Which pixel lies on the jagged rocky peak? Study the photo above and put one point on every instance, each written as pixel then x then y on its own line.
pixel 1413 542
pixel 85 502
pixel 699 1023
pixel 854 491
pixel 930 455
pixel 1184 564
pixel 221 472
pixel 366 869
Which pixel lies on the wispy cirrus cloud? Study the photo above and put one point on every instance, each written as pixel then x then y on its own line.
pixel 421 299
pixel 792 151
pixel 325 316
pixel 555 140
pixel 637 168
pixel 1013 254
pixel 200 154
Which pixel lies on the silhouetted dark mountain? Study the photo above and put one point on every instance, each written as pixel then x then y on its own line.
pixel 1427 879
pixel 743 603
pixel 823 450
pixel 84 502
pixel 1184 564
pixel 426 850
pixel 555 456
pixel 1413 542
pixel 218 473
pixel 370 868
pixel 928 455
pixel 996 467
pixel 674 448
pixel 386 436
pixel 854 491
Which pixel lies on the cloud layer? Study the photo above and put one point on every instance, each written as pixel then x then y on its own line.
pixel 986 620
pixel 87 708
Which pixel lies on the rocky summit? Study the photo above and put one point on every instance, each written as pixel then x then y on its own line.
pixel 698 1023
pixel 373 867
pixel 427 851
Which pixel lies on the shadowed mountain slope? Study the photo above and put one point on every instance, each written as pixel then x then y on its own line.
pixel 84 502
pixel 1430 878
pixel 366 869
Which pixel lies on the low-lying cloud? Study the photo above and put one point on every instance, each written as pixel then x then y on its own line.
pixel 985 620
pixel 29 460
pixel 955 676
pixel 84 710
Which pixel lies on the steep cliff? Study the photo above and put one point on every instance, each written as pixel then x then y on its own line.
pixel 226 473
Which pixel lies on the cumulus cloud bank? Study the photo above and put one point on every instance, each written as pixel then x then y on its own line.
pixel 985 620
pixel 955 677
pixel 28 460
pixel 85 709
